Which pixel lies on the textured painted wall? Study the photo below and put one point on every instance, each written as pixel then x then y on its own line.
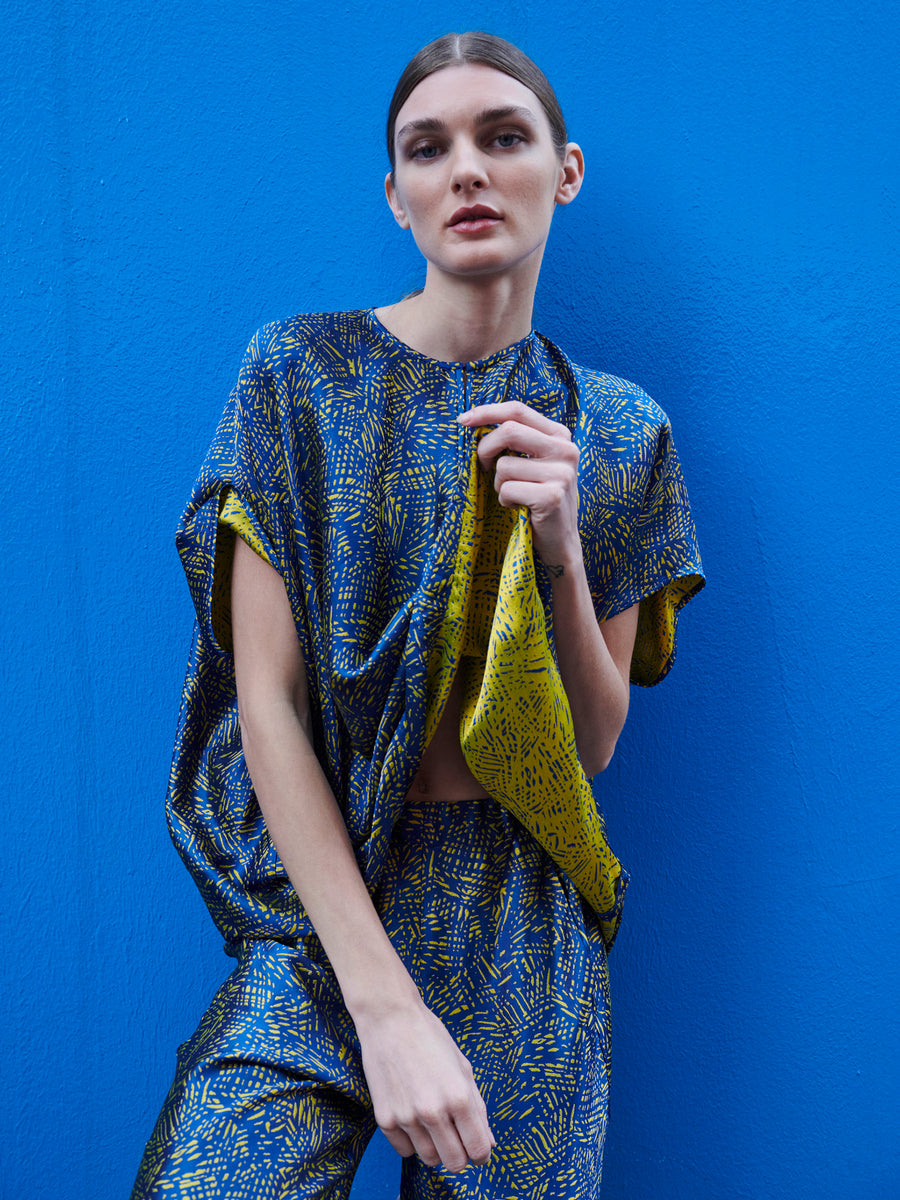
pixel 177 173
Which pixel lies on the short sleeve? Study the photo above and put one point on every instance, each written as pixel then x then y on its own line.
pixel 660 567
pixel 637 532
pixel 235 516
pixel 235 519
pixel 234 495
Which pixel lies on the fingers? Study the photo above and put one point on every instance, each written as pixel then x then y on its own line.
pixel 419 1140
pixel 544 485
pixel 398 1139
pixel 536 470
pixel 512 410
pixel 453 1135
pixel 441 1141
pixel 534 437
pixel 423 1091
pixel 475 1134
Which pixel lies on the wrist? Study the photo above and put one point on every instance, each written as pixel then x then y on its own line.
pixel 562 566
pixel 386 992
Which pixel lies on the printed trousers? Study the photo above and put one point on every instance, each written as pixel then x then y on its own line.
pixel 270 1101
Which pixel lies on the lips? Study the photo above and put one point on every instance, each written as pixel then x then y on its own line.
pixel 477 212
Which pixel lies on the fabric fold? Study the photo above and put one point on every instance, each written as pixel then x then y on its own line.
pixel 516 728
pixel 343 447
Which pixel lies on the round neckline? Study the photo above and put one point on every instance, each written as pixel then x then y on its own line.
pixel 448 365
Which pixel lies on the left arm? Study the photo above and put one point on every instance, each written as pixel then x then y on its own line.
pixel 594 659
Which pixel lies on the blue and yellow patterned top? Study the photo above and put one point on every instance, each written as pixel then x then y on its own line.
pixel 340 460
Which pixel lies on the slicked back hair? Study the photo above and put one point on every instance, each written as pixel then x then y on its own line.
pixel 454 49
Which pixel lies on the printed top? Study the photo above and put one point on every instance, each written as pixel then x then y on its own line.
pixel 340 460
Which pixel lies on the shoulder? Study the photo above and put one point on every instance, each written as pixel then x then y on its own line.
pixel 313 377
pixel 295 339
pixel 609 409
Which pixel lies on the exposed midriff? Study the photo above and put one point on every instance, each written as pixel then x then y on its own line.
pixel 443 775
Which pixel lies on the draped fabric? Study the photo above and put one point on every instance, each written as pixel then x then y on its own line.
pixel 340 458
pixel 270 1099
pixel 516 728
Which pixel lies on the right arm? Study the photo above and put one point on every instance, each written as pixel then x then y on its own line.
pixel 423 1093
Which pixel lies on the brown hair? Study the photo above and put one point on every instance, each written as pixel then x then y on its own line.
pixel 489 50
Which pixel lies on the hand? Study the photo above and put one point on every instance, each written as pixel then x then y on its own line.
pixel 423 1092
pixel 541 474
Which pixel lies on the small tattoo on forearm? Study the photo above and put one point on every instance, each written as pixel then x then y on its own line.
pixel 556 571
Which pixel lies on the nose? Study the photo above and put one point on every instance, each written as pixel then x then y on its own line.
pixel 467 169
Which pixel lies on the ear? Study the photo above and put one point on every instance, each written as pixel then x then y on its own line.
pixel 394 202
pixel 571 173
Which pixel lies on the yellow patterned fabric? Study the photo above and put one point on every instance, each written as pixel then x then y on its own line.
pixel 236 518
pixel 516 726
pixel 339 459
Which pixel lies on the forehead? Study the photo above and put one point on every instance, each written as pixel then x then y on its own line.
pixel 463 90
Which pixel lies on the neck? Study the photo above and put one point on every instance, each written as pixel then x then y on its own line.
pixel 462 320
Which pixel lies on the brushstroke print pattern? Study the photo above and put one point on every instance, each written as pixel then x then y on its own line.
pixel 339 459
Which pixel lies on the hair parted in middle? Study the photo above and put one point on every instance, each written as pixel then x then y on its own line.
pixel 486 49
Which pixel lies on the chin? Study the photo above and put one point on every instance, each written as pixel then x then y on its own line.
pixel 482 262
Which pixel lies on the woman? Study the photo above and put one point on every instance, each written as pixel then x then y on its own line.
pixel 408 953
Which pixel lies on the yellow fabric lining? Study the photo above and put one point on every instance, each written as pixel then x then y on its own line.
pixel 233 519
pixel 234 516
pixel 654 643
pixel 516 727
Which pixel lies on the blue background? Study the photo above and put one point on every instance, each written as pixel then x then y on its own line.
pixel 176 173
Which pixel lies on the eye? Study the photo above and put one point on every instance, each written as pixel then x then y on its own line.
pixel 424 151
pixel 508 139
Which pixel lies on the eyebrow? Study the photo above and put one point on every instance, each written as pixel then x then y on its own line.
pixel 486 117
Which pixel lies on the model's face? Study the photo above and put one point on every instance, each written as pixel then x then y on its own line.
pixel 477 177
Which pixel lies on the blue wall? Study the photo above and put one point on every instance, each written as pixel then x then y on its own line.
pixel 177 173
